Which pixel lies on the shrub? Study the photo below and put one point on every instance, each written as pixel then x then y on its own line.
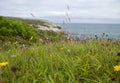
pixel 11 28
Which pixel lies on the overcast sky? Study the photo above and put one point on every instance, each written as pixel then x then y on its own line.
pixel 85 11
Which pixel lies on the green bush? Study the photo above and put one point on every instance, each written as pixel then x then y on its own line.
pixel 11 28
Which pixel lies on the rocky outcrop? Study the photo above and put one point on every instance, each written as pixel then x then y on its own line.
pixel 43 25
pixel 52 28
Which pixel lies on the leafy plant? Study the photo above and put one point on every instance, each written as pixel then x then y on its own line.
pixel 11 28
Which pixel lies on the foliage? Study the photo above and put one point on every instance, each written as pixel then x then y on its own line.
pixel 12 28
pixel 90 61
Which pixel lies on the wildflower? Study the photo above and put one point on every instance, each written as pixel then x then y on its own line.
pixel 3 64
pixel 118 54
pixel 13 69
pixel 31 38
pixel 117 68
pixel 48 40
pixel 113 79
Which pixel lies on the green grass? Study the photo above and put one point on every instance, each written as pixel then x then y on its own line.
pixel 64 62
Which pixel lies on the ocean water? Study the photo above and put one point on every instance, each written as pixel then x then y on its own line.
pixel 83 30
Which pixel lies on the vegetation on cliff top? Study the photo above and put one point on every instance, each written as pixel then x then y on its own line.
pixel 12 29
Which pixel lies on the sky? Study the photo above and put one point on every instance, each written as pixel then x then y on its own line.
pixel 79 11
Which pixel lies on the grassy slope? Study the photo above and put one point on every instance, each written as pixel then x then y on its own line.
pixel 12 29
pixel 68 62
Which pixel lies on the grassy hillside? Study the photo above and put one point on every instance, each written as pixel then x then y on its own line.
pixel 15 29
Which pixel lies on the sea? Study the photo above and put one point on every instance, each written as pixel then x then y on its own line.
pixel 84 30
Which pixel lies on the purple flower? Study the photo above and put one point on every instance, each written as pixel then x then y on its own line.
pixel 13 69
pixel 118 54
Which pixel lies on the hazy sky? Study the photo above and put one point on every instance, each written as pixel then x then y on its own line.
pixel 90 11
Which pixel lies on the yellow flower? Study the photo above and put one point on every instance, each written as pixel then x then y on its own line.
pixel 31 38
pixel 3 64
pixel 117 68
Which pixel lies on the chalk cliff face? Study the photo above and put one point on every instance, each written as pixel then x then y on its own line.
pixel 43 25
pixel 52 28
pixel 46 25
